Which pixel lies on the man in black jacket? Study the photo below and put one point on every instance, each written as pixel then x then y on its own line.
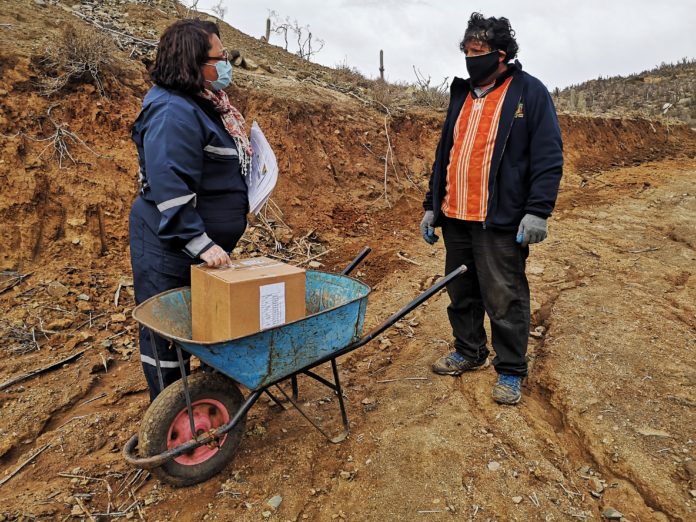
pixel 494 183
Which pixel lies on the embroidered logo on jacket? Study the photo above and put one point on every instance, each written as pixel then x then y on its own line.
pixel 520 111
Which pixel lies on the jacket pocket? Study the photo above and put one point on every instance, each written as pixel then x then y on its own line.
pixel 510 198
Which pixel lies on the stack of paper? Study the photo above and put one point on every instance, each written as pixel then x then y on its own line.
pixel 264 170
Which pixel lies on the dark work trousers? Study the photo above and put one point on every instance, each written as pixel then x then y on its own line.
pixel 495 282
pixel 155 270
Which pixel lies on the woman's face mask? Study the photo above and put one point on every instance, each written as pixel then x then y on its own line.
pixel 224 75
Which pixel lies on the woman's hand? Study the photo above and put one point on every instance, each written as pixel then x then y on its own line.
pixel 215 256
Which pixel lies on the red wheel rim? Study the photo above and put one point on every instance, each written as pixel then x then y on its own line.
pixel 208 414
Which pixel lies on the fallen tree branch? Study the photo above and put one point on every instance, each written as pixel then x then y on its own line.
pixel 23 464
pixel 39 371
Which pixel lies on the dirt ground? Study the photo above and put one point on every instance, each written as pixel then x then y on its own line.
pixel 607 417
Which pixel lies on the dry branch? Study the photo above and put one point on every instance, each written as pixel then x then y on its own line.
pixel 39 371
pixel 23 464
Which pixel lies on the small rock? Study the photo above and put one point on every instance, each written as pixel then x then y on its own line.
pixel 315 264
pixel 118 318
pixel 249 65
pixel 266 514
pixel 368 400
pixel 57 289
pixel 612 514
pixel 346 475
pixel 595 485
pixel 493 466
pixel 83 297
pixel 59 324
pixel 275 502
pixel 40 3
pixel 693 493
pixel 77 511
pixel 384 343
pixel 690 468
pixel 650 432
pixel 516 500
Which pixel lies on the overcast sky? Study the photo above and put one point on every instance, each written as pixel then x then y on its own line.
pixel 561 42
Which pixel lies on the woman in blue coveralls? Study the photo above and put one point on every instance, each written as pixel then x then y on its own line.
pixel 193 153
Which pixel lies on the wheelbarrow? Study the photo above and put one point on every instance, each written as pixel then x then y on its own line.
pixel 194 427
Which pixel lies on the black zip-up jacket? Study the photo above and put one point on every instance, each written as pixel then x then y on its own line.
pixel 527 162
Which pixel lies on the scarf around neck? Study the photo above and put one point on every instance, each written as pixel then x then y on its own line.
pixel 233 121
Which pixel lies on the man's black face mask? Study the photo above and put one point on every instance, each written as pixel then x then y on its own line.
pixel 482 66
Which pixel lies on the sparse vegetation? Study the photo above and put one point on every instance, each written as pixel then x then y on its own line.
pixel 668 90
pixel 433 96
pixel 81 54
pixel 307 44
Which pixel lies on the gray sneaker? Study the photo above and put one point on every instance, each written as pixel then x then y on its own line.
pixel 508 389
pixel 456 364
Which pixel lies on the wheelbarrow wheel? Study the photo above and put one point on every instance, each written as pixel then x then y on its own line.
pixel 215 399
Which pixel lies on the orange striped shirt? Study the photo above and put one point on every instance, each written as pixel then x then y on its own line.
pixel 469 166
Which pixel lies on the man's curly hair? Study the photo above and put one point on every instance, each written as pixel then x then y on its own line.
pixel 496 32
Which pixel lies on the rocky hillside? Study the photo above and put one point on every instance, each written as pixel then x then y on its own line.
pixel 668 90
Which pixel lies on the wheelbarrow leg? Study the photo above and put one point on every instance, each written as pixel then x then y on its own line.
pixel 274 399
pixel 295 389
pixel 339 392
pixel 157 359
pixel 344 417
pixel 187 395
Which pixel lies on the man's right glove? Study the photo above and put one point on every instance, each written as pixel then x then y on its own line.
pixel 426 228
pixel 532 230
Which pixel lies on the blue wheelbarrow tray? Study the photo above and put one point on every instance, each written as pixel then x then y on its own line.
pixel 335 304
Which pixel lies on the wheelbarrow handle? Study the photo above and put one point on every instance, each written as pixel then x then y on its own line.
pixel 355 262
pixel 389 322
pixel 411 306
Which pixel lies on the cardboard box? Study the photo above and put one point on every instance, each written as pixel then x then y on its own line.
pixel 251 295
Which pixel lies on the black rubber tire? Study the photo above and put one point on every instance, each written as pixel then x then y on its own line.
pixel 152 438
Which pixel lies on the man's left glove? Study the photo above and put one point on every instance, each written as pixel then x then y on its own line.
pixel 532 230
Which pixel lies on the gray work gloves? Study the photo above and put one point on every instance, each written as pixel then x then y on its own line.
pixel 426 228
pixel 532 230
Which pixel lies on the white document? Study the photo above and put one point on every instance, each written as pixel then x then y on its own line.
pixel 264 170
pixel 272 305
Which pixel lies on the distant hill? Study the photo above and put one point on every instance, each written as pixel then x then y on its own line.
pixel 668 90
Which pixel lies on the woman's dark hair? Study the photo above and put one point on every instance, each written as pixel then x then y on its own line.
pixel 182 49
pixel 496 32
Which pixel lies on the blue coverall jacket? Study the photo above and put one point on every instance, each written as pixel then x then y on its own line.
pixel 189 172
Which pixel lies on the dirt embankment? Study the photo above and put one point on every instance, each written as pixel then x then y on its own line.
pixel 610 399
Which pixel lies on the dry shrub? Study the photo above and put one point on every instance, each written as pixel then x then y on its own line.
pixel 431 96
pixel 385 94
pixel 80 55
pixel 345 74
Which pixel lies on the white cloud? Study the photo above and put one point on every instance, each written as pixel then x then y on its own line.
pixel 561 42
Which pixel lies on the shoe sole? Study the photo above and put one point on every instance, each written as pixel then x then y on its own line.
pixel 459 372
pixel 507 403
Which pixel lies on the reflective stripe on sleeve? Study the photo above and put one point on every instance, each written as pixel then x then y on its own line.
pixel 221 151
pixel 164 364
pixel 198 243
pixel 176 202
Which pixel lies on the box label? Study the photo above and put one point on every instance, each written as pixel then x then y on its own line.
pixel 272 305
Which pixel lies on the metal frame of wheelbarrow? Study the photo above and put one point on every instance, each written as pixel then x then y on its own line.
pixel 215 434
